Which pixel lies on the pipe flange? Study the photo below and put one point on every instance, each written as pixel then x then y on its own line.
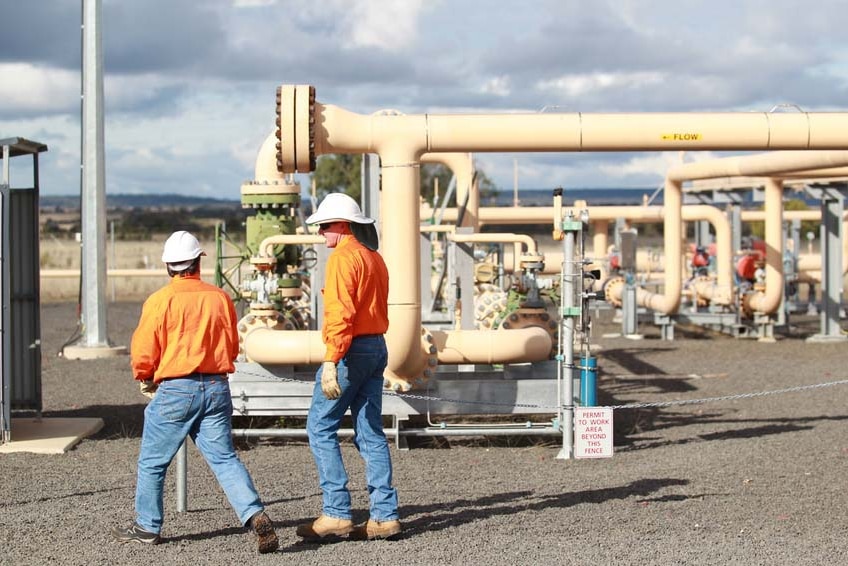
pixel 263 263
pixel 613 289
pixel 531 260
pixel 260 316
pixel 295 129
pixel 420 376
pixel 270 194
pixel 489 302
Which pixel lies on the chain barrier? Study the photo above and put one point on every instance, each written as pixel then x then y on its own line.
pixel 656 404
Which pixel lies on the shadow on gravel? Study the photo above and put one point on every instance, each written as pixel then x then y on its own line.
pixel 60 497
pixel 446 515
pixel 119 421
pixel 771 427
pixel 628 358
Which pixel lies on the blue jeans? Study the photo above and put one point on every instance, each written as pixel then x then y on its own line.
pixel 199 407
pixel 360 375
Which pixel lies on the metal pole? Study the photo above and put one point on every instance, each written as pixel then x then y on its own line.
pixel 113 259
pixel 94 172
pixel 182 478
pixel 831 238
pixel 567 451
pixel 5 377
pixel 5 165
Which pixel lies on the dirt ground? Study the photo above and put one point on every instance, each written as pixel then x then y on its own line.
pixel 754 480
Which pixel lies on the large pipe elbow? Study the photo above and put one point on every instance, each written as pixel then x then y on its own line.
pixel 405 342
pixel 266 247
pixel 265 167
pixel 530 344
pixel 768 301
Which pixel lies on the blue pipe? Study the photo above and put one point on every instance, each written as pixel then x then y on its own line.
pixel 589 381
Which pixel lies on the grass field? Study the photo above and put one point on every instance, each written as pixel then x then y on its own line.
pixel 58 257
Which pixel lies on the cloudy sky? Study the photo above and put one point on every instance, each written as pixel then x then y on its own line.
pixel 190 84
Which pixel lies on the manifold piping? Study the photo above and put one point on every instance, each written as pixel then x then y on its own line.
pixel 774 164
pixel 722 292
pixel 401 140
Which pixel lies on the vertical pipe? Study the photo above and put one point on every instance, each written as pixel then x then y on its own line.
pixel 401 174
pixel 589 381
pixel 767 302
pixel 600 241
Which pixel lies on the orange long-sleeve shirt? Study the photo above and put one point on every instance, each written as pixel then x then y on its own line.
pixel 356 292
pixel 185 327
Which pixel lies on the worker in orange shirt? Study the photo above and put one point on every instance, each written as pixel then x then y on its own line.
pixel 182 350
pixel 356 289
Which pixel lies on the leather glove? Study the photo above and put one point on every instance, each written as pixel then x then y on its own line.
pixel 330 380
pixel 148 388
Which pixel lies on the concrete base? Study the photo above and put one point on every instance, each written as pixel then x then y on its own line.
pixel 827 338
pixel 49 436
pixel 78 352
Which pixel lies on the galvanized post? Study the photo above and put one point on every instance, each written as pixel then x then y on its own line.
pixel 94 173
pixel 832 208
pixel 570 311
pixel 182 478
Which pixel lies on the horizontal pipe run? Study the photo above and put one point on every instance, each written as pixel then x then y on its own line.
pixel 770 164
pixel 515 239
pixel 394 433
pixel 270 346
pixel 158 272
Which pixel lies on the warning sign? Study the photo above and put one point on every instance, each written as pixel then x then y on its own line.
pixel 592 432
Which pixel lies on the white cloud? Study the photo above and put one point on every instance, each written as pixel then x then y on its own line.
pixel 29 88
pixel 581 85
pixel 386 24
pixel 656 164
pixel 499 86
pixel 253 3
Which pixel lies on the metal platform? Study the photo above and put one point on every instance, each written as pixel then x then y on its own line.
pixel 283 390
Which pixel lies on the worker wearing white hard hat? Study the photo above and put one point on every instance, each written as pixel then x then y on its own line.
pixel 181 251
pixel 182 351
pixel 356 289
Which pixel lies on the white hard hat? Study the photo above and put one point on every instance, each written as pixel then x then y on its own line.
pixel 338 207
pixel 181 249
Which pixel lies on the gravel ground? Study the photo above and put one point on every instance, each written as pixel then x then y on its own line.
pixel 746 481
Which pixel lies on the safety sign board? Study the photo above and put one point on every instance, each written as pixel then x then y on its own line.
pixel 593 432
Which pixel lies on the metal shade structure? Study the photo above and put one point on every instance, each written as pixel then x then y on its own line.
pixel 20 323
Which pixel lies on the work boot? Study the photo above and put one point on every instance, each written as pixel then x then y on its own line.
pixel 374 530
pixel 325 529
pixel 266 538
pixel 135 533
